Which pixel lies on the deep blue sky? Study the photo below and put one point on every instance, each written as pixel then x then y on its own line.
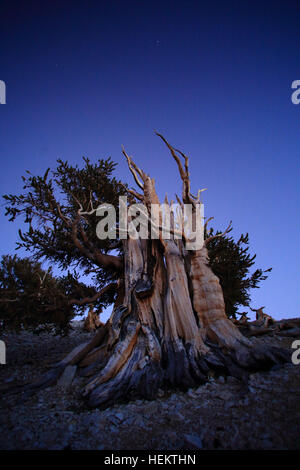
pixel 215 78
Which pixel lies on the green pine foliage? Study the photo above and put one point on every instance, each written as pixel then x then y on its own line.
pixel 35 299
pixel 48 203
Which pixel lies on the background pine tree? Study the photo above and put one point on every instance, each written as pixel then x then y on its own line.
pixel 231 262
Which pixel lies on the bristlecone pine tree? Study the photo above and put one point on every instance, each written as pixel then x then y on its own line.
pixel 35 299
pixel 168 327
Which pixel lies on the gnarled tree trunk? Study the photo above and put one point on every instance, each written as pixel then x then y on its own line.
pixel 169 326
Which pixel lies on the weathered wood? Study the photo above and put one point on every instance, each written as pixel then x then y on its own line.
pixel 260 331
pixel 263 318
pixel 209 303
pixel 96 341
pixel 169 325
pixel 294 333
pixel 66 379
pixel 95 355
pixel 92 321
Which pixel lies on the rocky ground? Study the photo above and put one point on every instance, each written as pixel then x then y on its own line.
pixel 218 415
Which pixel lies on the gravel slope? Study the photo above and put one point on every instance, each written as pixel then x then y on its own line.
pixel 218 415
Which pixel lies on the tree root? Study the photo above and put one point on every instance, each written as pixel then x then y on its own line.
pixel 127 360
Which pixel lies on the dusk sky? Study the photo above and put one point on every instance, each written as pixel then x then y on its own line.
pixel 84 78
